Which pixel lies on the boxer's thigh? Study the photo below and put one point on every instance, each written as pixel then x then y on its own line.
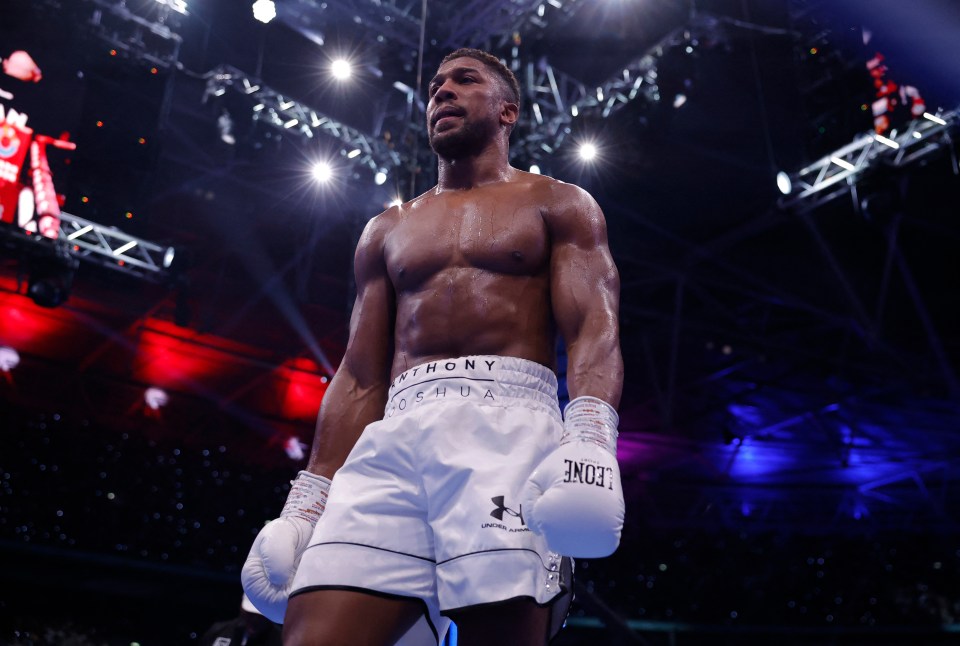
pixel 337 617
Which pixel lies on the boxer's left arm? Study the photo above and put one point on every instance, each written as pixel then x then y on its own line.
pixel 574 497
pixel 585 295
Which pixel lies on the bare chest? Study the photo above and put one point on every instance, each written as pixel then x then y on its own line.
pixel 494 236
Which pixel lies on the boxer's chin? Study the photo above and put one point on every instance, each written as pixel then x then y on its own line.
pixel 456 143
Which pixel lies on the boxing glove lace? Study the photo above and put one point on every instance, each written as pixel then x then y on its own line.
pixel 574 498
pixel 273 560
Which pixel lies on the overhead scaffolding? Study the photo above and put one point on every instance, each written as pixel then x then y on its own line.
pixel 99 245
pixel 288 115
pixel 840 172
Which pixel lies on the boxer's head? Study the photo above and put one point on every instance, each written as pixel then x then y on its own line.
pixel 472 97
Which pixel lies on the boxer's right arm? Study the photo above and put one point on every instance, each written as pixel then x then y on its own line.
pixel 358 391
pixel 356 397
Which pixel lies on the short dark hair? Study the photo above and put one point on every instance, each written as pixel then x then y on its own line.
pixel 507 79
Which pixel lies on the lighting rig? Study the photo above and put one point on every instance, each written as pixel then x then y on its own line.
pixel 139 37
pixel 82 240
pixel 553 99
pixel 476 23
pixel 291 116
pixel 841 171
pixel 54 257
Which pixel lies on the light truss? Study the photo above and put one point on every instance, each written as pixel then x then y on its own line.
pixel 839 172
pixel 478 23
pixel 100 245
pixel 395 20
pixel 475 23
pixel 556 99
pixel 134 35
pixel 115 249
pixel 291 116
pixel 110 247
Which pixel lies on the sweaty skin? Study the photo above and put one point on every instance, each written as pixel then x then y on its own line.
pixel 481 285
pixel 492 260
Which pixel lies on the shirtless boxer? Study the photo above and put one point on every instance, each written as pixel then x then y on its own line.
pixel 458 485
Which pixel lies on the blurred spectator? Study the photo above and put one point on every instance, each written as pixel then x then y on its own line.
pixel 249 628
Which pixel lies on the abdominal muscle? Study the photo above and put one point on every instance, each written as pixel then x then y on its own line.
pixel 465 311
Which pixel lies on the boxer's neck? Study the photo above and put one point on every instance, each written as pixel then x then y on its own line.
pixel 491 165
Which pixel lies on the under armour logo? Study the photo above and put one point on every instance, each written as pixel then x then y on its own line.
pixel 502 509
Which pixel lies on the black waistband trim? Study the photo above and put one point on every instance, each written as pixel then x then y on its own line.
pixel 374 547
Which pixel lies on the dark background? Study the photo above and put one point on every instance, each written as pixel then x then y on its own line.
pixel 789 427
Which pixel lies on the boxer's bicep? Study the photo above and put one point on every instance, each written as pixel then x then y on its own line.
pixel 357 393
pixel 585 294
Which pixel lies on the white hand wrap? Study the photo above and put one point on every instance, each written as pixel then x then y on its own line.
pixel 268 572
pixel 574 497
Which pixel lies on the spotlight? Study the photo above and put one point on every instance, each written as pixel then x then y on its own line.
pixel 588 152
pixel 293 447
pixel 784 183
pixel 9 358
pixel 843 163
pixel 341 69
pixel 887 142
pixel 51 280
pixel 168 257
pixel 380 178
pixel 225 126
pixel 155 398
pixel 535 169
pixel 264 10
pixel 322 172
pixel 397 201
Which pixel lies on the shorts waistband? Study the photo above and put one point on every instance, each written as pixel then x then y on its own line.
pixel 482 379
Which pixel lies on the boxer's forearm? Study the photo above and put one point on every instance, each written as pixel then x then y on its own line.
pixel 594 361
pixel 347 408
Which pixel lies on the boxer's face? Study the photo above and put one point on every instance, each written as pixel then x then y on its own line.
pixel 466 101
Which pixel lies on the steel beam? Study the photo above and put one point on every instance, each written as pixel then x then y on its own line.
pixel 291 116
pixel 839 172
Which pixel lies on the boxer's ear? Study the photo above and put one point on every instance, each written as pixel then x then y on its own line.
pixel 509 113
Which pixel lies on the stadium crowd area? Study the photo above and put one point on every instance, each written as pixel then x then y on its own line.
pixel 169 504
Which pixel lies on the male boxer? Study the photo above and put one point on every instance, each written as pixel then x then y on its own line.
pixel 458 484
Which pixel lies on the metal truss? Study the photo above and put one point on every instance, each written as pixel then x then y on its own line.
pixel 100 245
pixel 840 171
pixel 394 20
pixel 556 99
pixel 289 115
pixel 136 36
pixel 487 23
pixel 113 248
pixel 472 24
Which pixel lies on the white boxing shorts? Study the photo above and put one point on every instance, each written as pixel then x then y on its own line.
pixel 427 506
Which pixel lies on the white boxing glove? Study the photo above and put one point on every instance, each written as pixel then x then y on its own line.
pixel 273 560
pixel 574 498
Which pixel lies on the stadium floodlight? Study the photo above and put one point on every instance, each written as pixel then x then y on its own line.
pixel 322 172
pixel 155 398
pixel 784 183
pixel 9 358
pixel 264 10
pixel 341 69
